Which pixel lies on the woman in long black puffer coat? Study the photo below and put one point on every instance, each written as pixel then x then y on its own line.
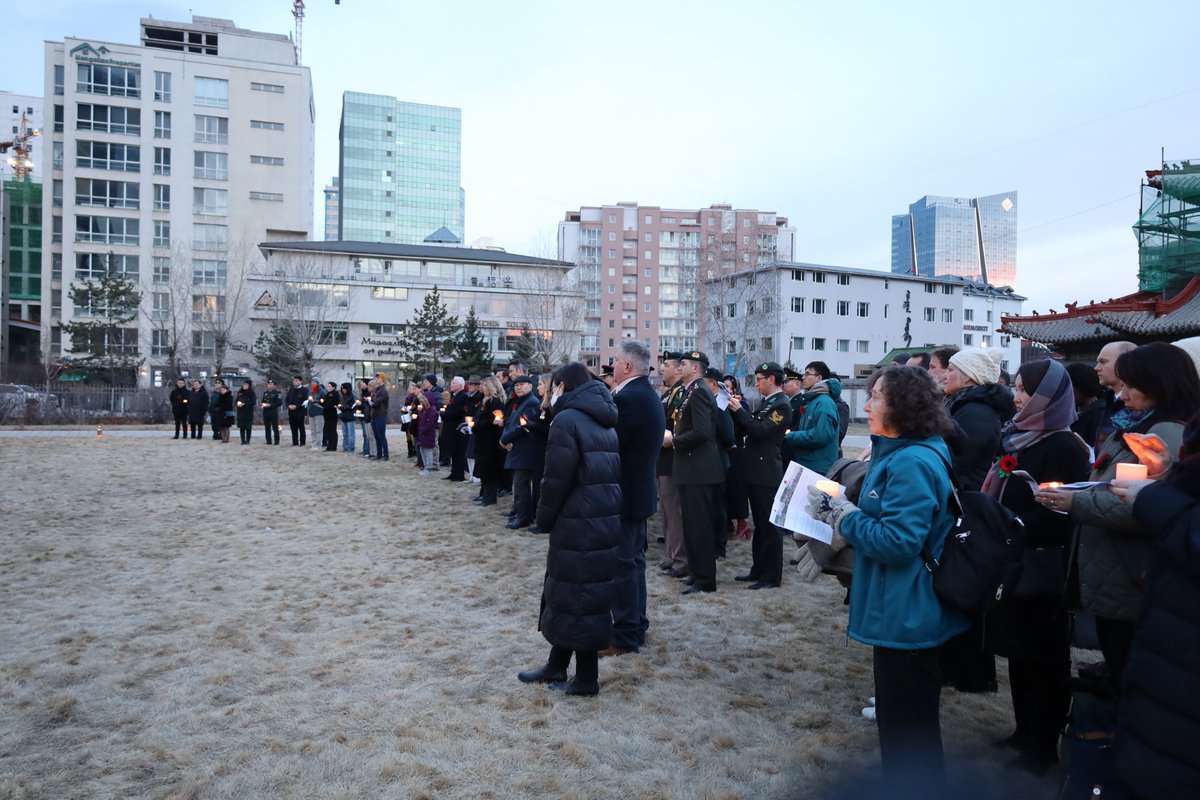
pixel 580 506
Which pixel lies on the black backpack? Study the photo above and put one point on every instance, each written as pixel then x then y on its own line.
pixel 982 557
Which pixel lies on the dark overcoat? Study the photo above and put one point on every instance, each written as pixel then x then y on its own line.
pixel 640 421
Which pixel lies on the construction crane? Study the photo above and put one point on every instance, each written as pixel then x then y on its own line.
pixel 298 13
pixel 20 161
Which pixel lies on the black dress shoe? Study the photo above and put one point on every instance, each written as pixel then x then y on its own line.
pixel 535 529
pixel 745 578
pixel 543 674
pixel 763 585
pixel 696 588
pixel 504 493
pixel 661 539
pixel 577 687
pixel 516 525
pixel 678 573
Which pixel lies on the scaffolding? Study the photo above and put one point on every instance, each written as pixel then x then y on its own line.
pixel 1168 228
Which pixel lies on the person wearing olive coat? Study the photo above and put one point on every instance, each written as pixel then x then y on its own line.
pixel 580 506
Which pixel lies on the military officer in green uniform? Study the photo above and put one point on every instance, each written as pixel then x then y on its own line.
pixel 697 471
pixel 793 390
pixel 675 562
pixel 271 402
pixel 763 470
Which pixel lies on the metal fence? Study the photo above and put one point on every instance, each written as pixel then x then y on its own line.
pixel 72 404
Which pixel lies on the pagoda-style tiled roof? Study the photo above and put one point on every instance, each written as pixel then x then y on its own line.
pixel 1142 316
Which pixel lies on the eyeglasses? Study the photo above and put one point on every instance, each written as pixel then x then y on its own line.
pixel 812 374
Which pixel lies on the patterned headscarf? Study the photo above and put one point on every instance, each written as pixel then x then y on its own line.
pixel 1050 409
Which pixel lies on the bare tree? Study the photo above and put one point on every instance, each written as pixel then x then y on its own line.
pixel 170 309
pixel 219 301
pixel 552 306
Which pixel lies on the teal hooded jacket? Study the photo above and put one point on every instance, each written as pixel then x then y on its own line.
pixel 814 443
pixel 905 504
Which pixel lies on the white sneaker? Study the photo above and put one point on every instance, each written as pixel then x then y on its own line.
pixel 869 713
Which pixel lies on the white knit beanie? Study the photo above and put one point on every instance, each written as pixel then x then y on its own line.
pixel 1191 346
pixel 980 364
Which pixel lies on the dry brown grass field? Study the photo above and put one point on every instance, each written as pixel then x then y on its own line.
pixel 185 619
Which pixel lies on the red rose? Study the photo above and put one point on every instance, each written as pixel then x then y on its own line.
pixel 1007 464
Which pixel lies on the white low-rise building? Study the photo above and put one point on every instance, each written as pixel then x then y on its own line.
pixel 852 319
pixel 356 297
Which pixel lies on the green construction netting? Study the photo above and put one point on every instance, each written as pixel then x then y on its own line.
pixel 1169 233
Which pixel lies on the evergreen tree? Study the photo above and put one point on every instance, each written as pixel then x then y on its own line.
pixel 101 335
pixel 429 338
pixel 473 353
pixel 280 354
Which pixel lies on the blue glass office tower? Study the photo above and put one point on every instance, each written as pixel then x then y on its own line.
pixel 400 170
pixel 973 238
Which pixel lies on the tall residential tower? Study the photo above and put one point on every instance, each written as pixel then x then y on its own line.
pixel 400 170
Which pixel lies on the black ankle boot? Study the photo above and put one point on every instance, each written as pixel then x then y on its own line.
pixel 543 674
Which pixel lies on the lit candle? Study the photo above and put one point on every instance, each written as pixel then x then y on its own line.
pixel 1131 472
pixel 239 403
pixel 498 415
pixel 264 405
pixel 470 422
pixel 830 488
pixel 1050 485
pixel 522 420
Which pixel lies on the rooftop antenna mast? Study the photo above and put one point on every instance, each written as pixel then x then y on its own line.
pixel 298 13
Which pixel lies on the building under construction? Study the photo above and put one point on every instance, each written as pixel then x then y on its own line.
pixel 1168 228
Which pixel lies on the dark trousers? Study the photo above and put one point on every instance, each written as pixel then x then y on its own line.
pixel 702 523
pixel 908 687
pixel 630 622
pixel 767 544
pixel 967 664
pixel 587 663
pixel 1116 639
pixel 181 425
pixel 299 432
pixel 244 429
pixel 271 428
pixel 522 483
pixel 215 419
pixel 1041 697
pixel 379 428
pixel 196 427
pixel 329 435
pixel 458 456
pixel 446 445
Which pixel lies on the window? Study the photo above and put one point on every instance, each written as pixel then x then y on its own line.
pixel 843 308
pixel 212 92
pixel 818 277
pixel 649 237
pixel 56 190
pixel 379 329
pixel 274 197
pixel 843 345
pixel 649 272
pixel 731 346
pixel 930 314
pixel 731 310
pixel 58 155
pixel 749 307
pixel 612 236
pixel 161 270
pixel 612 254
pixel 208 272
pixel 58 118
pixel 947 315
pixel 768 344
pixel 274 161
pixel 968 315
pixel 162 124
pixel 204 344
pixel 267 126
pixel 985 341
pixel 864 346
pixel 90 266
pixel 612 289
pixel 266 87
pixel 214 166
pixel 843 280
pixel 212 130
pixel 112 81
pixel 208 308
pixel 648 307
pixel 968 340
pixel 210 201
pixel 162 87
pixel 930 288
pixel 60 80
pixel 160 342
pixel 947 289
pixel 334 335
pixel 649 220
pixel 107 230
pixel 746 222
pixel 797 342
pixel 818 343
pixel 108 119
pixel 210 237
pixel 160 305
pixel 108 155
pixel 162 197
pixel 798 275
pixel 162 161
pixel 798 305
pixel 864 308
pixel 818 306
pixel 109 194
pixel 162 233
pixel 989 315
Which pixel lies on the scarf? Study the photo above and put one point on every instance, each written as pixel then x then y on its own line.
pixel 1048 411
pixel 1126 419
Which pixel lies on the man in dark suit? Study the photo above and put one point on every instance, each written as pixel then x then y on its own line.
pixel 640 421
pixel 698 473
pixel 297 396
pixel 763 470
